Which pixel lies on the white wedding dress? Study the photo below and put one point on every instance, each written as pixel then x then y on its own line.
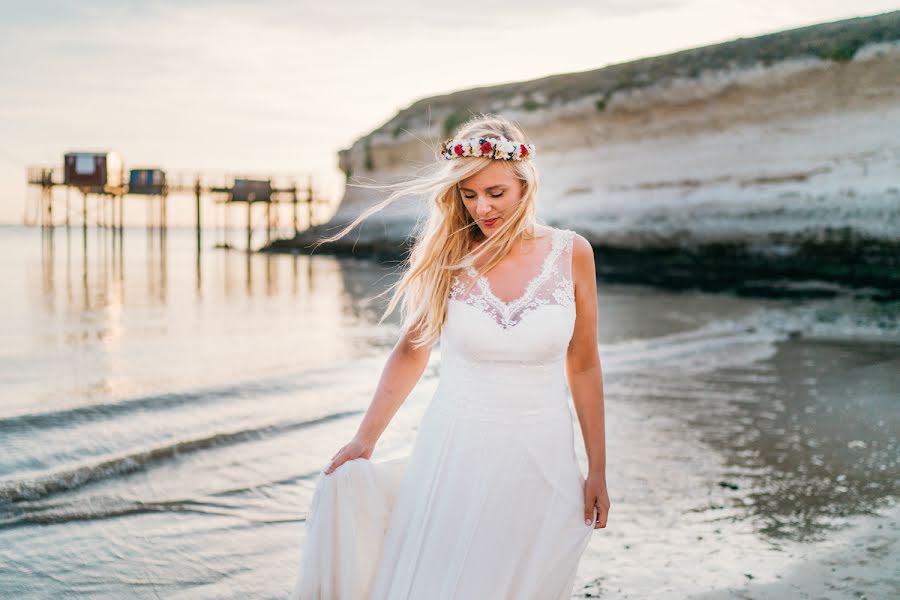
pixel 489 504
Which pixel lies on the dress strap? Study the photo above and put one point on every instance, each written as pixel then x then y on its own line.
pixel 568 244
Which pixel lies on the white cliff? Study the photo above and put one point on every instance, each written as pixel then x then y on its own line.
pixel 701 166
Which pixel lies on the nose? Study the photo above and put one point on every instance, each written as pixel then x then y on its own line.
pixel 483 207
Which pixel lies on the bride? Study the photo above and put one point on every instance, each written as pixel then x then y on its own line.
pixel 491 502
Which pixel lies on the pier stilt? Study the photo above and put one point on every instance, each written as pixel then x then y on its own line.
pixel 294 209
pixel 249 226
pixel 198 194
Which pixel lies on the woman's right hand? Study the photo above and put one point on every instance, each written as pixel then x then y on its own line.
pixel 355 448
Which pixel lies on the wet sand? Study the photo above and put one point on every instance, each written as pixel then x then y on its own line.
pixel 776 478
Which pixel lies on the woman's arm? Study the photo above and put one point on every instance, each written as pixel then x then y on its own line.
pixel 403 369
pixel 585 379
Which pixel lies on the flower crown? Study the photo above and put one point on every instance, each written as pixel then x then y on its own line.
pixel 499 148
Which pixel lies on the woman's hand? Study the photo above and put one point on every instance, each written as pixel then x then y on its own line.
pixel 355 448
pixel 595 495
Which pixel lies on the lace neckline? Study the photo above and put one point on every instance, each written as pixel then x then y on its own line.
pixel 532 284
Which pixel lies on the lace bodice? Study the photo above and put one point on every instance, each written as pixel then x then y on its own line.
pixel 505 360
pixel 551 285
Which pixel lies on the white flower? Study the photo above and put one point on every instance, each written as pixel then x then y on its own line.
pixel 476 148
pixel 504 147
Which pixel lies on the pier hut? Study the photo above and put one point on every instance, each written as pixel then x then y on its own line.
pixel 101 173
pixel 95 172
pixel 151 182
pixel 250 191
pixel 147 182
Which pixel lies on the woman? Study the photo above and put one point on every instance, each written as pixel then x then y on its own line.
pixel 491 503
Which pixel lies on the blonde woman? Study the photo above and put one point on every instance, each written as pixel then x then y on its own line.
pixel 491 503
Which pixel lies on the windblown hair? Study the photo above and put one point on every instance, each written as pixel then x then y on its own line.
pixel 443 240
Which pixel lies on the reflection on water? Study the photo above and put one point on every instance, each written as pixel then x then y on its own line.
pixel 108 313
pixel 98 280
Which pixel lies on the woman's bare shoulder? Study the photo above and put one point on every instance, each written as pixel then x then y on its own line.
pixel 583 267
pixel 580 245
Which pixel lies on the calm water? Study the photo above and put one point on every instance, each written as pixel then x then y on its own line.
pixel 163 418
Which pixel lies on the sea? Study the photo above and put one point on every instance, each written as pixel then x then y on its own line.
pixel 165 411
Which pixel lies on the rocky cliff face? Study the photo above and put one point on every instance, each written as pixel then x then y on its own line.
pixel 755 159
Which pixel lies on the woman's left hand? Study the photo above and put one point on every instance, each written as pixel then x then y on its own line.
pixel 596 496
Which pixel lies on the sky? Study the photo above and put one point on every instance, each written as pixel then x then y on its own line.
pixel 277 86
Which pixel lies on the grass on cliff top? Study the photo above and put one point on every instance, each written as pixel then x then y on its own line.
pixel 837 41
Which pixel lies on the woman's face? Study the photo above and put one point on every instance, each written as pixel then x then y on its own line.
pixel 491 195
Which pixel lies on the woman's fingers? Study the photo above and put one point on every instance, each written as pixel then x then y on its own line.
pixel 589 510
pixel 590 505
pixel 349 451
pixel 337 461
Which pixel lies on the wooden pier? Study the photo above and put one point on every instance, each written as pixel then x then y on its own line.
pixel 100 177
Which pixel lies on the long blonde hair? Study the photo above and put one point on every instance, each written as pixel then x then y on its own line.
pixel 443 240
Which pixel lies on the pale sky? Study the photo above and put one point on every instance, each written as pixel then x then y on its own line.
pixel 278 86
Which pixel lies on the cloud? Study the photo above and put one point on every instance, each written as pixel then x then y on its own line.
pixel 397 16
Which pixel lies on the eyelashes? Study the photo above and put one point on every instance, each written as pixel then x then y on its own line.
pixel 491 195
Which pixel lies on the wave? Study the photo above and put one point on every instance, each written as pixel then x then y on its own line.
pixel 67 479
pixel 64 418
pixel 101 508
pixel 736 342
pixel 223 502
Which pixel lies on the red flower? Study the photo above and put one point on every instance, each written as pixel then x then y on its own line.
pixel 486 148
pixel 458 149
pixel 524 151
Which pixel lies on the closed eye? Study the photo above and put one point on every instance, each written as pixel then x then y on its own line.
pixel 491 195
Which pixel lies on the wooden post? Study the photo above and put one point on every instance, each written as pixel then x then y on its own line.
pixel 84 213
pixel 197 192
pixel 46 206
pixel 294 205
pixel 249 224
pixel 113 222
pixel 309 203
pixel 225 225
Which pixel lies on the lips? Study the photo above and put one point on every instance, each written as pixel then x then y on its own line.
pixel 491 222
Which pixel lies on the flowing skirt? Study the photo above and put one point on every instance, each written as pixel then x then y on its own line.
pixel 487 505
